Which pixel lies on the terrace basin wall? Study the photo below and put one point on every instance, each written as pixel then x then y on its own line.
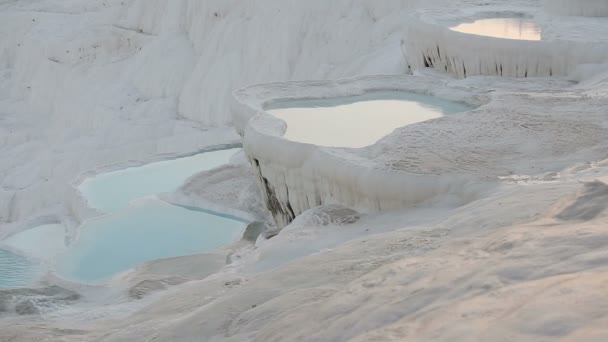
pixel 462 55
pixel 295 177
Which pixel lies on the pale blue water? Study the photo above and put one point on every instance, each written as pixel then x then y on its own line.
pixel 114 190
pixel 15 270
pixel 147 231
pixel 128 235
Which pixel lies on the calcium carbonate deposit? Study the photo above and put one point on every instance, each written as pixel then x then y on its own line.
pixel 485 219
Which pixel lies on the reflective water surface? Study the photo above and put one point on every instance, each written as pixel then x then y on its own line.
pixel 509 28
pixel 137 226
pixel 358 121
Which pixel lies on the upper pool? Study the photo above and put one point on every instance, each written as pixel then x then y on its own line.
pixel 358 121
pixel 521 28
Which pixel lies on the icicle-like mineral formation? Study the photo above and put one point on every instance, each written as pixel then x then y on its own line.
pixel 431 45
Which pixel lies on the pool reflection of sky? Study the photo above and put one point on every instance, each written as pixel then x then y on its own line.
pixel 358 121
pixel 509 28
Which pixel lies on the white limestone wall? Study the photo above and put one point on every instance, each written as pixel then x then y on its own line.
pixel 464 55
pixel 586 8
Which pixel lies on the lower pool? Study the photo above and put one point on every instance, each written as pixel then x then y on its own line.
pixel 358 121
pixel 151 229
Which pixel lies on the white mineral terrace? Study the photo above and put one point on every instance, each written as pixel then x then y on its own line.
pixel 477 212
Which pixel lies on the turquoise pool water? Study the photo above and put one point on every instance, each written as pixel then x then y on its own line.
pixel 137 226
pixel 149 230
pixel 111 191
pixel 358 121
pixel 16 270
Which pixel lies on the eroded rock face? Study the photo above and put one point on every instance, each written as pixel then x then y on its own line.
pixel 332 215
pixel 147 287
pixel 27 302
pixel 282 213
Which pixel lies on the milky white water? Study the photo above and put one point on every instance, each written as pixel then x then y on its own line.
pixel 358 121
pixel 509 28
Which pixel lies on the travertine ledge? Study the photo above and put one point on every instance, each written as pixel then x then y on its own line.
pixel 453 159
